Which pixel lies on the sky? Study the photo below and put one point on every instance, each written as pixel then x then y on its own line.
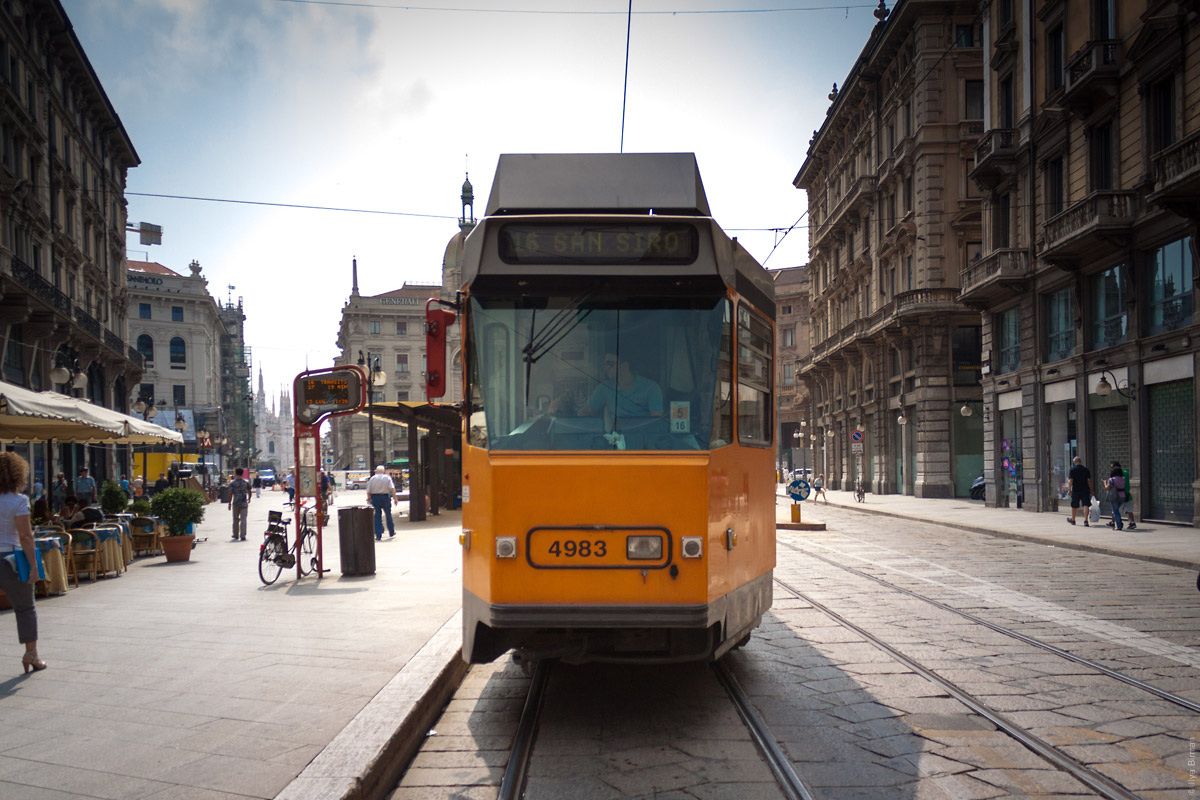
pixel 280 139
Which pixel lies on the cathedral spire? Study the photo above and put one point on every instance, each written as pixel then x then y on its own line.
pixel 354 277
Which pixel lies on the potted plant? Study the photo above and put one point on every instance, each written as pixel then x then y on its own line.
pixel 140 507
pixel 178 508
pixel 112 499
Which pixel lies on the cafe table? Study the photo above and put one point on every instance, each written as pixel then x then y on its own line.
pixel 112 555
pixel 55 565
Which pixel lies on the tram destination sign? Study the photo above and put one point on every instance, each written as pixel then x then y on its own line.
pixel 337 391
pixel 590 243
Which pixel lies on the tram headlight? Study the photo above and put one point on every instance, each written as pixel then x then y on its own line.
pixel 506 547
pixel 692 546
pixel 643 548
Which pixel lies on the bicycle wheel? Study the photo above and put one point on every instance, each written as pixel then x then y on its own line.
pixel 269 557
pixel 308 552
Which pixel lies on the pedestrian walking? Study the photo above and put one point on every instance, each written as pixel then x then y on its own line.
pixel 819 488
pixel 1114 487
pixel 239 503
pixel 58 492
pixel 1079 481
pixel 382 491
pixel 85 488
pixel 257 484
pixel 16 536
pixel 289 484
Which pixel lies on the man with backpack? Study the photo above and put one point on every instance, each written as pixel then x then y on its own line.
pixel 239 502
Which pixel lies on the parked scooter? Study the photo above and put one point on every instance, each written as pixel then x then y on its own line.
pixel 978 488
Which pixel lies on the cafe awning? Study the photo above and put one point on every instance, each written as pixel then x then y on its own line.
pixel 29 416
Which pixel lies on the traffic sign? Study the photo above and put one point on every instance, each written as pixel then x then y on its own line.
pixel 856 436
pixel 799 490
pixel 856 448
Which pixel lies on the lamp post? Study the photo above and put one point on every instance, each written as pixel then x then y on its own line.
pixel 201 438
pixel 377 378
pixel 180 426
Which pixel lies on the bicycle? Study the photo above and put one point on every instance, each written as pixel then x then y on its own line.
pixel 275 555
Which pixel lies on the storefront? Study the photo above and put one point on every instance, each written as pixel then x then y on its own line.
pixel 1010 452
pixel 1062 441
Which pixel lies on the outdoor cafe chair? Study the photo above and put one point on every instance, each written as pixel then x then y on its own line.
pixel 85 553
pixel 145 535
pixel 68 558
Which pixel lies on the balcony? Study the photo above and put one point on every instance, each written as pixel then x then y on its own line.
pixel 995 156
pixel 1093 75
pixel 1000 275
pixel 1177 177
pixel 1094 225
pixel 970 129
pixel 926 303
pixel 861 190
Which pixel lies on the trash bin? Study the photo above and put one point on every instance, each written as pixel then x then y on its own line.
pixel 356 540
pixel 223 493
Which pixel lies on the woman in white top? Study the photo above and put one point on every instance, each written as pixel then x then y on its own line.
pixel 16 533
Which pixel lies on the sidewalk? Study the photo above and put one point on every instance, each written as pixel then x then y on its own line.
pixel 1172 545
pixel 194 680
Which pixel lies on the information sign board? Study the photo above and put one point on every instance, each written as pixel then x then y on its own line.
pixel 799 490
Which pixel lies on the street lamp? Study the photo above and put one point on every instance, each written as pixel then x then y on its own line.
pixel 1104 388
pixel 201 438
pixel 377 378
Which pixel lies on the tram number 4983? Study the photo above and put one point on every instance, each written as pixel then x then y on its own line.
pixel 582 549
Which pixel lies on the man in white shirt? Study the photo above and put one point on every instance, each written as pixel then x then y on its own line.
pixel 382 492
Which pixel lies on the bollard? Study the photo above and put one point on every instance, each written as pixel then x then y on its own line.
pixel 795 512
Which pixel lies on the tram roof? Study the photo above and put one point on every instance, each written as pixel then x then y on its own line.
pixel 668 183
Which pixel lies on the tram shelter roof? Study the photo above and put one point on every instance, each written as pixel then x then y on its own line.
pixel 444 419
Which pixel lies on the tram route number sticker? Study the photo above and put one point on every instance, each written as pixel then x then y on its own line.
pixel 799 490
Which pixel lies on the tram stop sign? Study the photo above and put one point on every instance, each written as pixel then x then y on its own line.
pixel 799 490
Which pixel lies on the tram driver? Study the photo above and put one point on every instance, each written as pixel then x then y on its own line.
pixel 623 393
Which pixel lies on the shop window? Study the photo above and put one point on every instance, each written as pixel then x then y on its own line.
pixel 966 351
pixel 1008 349
pixel 1169 270
pixel 1060 325
pixel 1109 317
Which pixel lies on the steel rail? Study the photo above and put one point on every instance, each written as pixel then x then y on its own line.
pixel 1162 694
pixel 512 785
pixel 778 762
pixel 1101 784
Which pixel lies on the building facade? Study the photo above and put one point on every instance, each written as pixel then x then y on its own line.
pixel 792 344
pixel 274 430
pixel 64 160
pixel 1090 170
pixel 390 329
pixel 893 373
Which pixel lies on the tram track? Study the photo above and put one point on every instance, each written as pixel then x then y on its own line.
pixel 1097 782
pixel 1128 680
pixel 516 772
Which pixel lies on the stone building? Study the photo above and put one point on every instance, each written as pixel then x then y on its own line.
pixel 274 430
pixel 1090 169
pixel 791 344
pixel 390 327
pixel 894 218
pixel 64 160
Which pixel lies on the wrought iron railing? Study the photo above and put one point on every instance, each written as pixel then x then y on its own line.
pixel 87 322
pixel 39 286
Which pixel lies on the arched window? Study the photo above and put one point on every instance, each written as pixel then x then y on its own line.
pixel 145 346
pixel 178 352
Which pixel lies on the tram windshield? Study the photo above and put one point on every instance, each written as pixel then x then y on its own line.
pixel 605 368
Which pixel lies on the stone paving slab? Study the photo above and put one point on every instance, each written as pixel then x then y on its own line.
pixel 195 681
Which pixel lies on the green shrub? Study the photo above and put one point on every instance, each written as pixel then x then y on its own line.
pixel 177 507
pixel 112 499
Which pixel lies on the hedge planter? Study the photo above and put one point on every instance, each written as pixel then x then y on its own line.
pixel 177 548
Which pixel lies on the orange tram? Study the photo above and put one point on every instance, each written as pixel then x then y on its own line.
pixel 618 467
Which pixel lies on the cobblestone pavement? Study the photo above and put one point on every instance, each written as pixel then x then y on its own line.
pixel 856 722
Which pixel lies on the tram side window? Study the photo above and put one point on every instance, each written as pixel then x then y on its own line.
pixel 754 376
pixel 722 431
